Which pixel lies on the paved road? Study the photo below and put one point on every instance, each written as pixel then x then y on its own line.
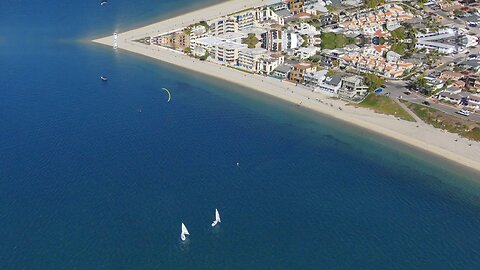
pixel 397 89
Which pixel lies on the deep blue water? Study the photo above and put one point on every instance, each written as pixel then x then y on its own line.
pixel 100 175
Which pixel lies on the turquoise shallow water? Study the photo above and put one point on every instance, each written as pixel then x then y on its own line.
pixel 100 175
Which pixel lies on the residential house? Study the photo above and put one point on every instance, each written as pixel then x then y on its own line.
pixel 472 83
pixel 450 5
pixel 330 85
pixel 450 75
pixel 314 79
pixel 474 101
pixel 352 86
pixel 473 64
pixel 295 6
pixel 281 71
pixel 298 70
pixel 455 98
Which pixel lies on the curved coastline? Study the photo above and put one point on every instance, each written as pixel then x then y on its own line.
pixel 446 145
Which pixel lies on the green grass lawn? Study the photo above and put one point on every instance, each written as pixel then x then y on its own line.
pixel 332 40
pixel 452 124
pixel 384 105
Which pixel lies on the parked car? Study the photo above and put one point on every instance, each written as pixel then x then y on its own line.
pixel 426 103
pixel 464 112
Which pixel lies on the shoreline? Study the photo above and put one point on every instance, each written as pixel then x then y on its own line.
pixel 419 135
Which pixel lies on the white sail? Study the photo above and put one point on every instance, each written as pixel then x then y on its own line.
pixel 217 215
pixel 184 232
pixel 217 218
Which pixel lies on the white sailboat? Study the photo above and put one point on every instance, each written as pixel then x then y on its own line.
pixel 184 232
pixel 217 218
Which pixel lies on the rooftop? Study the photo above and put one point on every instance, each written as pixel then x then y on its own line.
pixel 283 68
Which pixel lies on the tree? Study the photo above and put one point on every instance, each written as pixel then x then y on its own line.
pixel 205 56
pixel 457 12
pixel 398 34
pixel 331 72
pixel 305 40
pixel 420 82
pixel 374 3
pixel 251 40
pixel 373 81
pixel 331 40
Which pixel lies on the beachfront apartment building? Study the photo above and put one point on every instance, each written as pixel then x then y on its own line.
pixel 227 52
pixel 281 5
pixel 249 58
pixel 178 40
pixel 352 86
pixel 245 19
pixel 222 48
pixel 272 40
pixel 266 14
pixel 258 60
pixel 223 26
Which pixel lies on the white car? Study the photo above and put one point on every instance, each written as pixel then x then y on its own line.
pixel 464 112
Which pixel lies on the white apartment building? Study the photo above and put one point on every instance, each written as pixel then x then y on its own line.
pixel 227 52
pixel 248 58
pixel 245 19
pixel 266 14
pixel 257 60
pixel 223 48
pixel 306 52
pixel 224 26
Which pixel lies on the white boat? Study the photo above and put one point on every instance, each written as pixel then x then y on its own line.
pixel 185 232
pixel 104 2
pixel 104 78
pixel 115 36
pixel 217 218
pixel 464 112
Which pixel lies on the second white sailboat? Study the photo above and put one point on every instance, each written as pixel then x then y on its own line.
pixel 217 218
pixel 185 232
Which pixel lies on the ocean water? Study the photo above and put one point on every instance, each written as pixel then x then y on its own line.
pixel 100 175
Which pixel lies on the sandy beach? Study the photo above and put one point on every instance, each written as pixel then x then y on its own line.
pixel 420 135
